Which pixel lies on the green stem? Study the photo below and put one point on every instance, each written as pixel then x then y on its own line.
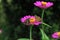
pixel 42 18
pixel 30 32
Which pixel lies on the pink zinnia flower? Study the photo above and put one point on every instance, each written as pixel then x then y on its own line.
pixel 30 20
pixel 56 35
pixel 42 4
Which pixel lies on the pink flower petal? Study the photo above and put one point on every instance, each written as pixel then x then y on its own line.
pixel 54 35
pixel 25 18
pixel 37 3
pixel 49 4
pixel 37 23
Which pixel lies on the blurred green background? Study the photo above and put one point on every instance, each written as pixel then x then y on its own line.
pixel 12 10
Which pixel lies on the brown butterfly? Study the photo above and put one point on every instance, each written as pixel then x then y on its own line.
pixel 38 18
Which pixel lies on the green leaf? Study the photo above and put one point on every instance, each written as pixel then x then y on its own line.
pixel 23 39
pixel 44 36
pixel 46 24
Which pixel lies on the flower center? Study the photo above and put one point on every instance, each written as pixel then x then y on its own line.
pixel 58 34
pixel 32 20
pixel 44 3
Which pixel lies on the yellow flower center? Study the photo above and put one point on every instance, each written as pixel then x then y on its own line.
pixel 32 20
pixel 58 34
pixel 44 3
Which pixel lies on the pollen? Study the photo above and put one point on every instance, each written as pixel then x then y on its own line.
pixel 32 20
pixel 44 3
pixel 58 34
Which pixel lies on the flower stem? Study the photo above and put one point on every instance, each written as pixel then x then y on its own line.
pixel 30 32
pixel 42 18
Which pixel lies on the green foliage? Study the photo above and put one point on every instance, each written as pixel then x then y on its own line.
pixel 23 39
pixel 44 36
